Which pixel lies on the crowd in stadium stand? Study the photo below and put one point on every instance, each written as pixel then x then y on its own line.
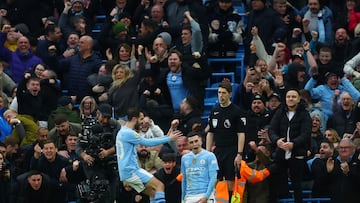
pixel 73 71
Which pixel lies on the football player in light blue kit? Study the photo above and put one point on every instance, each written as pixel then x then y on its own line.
pixel 199 169
pixel 130 173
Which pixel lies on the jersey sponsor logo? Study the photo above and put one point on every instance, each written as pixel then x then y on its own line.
pixel 227 123
pixel 214 122
pixel 195 170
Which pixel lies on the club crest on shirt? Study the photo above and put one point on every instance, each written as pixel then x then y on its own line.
pixel 202 161
pixel 227 123
pixel 137 135
pixel 214 122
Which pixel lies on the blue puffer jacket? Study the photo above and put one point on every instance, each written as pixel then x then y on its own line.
pixel 77 70
pixel 5 128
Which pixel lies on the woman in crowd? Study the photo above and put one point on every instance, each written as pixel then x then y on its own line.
pixel 123 92
pixel 333 137
pixel 124 55
pixel 87 107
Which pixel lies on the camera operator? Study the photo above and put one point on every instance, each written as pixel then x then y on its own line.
pixel 96 146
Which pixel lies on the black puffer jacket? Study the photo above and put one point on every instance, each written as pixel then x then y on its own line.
pixel 299 132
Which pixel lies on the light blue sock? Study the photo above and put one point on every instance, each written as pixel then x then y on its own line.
pixel 158 198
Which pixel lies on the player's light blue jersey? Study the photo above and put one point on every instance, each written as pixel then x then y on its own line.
pixel 199 173
pixel 126 143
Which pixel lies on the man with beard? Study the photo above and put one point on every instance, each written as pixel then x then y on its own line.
pixel 342 47
pixel 325 93
pixel 183 80
pixel 318 170
pixel 343 118
pixel 189 116
pixel 129 170
pixel 167 175
pixel 258 119
pixel 148 159
pixel 62 129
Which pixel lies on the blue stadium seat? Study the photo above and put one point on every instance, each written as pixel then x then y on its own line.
pixel 210 100
pixel 305 200
pixel 204 120
pixel 99 22
pixel 240 65
pixel 304 192
pixel 242 12
pixel 216 78
pixel 64 91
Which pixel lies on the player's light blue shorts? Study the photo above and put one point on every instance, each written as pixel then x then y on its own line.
pixel 138 180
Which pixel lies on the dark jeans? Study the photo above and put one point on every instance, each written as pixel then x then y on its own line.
pixel 292 168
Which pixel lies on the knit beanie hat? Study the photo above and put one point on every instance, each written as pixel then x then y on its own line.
pixel 119 27
pixel 23 28
pixel 317 114
pixel 259 97
pixel 166 37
